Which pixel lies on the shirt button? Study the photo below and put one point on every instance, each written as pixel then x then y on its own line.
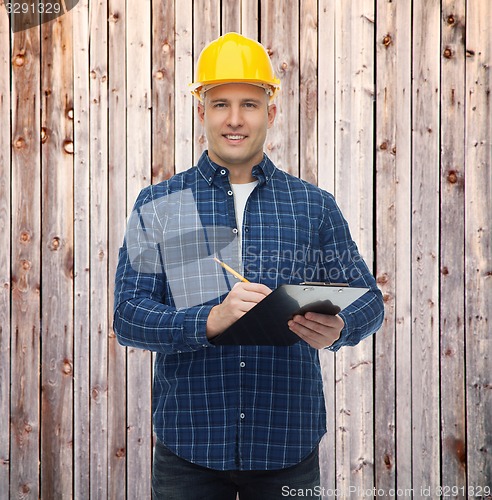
pixel 230 193
pixel 242 364
pixel 242 415
pixel 235 231
pixel 223 172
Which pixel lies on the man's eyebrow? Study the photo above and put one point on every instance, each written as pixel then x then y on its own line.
pixel 245 99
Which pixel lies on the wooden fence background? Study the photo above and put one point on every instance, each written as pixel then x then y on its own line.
pixel 386 103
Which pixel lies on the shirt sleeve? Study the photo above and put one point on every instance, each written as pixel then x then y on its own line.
pixel 344 264
pixel 142 319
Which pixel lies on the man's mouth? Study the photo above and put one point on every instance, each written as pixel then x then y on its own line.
pixel 234 137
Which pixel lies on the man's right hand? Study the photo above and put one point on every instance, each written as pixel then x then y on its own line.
pixel 242 298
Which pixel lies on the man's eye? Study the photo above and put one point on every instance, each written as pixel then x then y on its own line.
pixel 250 105
pixel 220 105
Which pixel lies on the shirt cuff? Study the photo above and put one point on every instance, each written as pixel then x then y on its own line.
pixel 195 326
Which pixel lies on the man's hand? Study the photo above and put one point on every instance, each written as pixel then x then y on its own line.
pixel 318 330
pixel 239 301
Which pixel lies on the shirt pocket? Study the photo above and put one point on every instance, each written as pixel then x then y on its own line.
pixel 291 247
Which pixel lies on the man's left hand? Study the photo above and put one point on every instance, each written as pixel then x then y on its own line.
pixel 318 330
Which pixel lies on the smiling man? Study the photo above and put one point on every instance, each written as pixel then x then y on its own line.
pixel 235 420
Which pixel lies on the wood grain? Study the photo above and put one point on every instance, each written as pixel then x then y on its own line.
pixel 425 243
pixel 26 265
pixel 57 256
pixel 452 235
pixel 5 250
pixel 81 177
pixel 478 207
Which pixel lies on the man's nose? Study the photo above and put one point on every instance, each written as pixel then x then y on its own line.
pixel 235 117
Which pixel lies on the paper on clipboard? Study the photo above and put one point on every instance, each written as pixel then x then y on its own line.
pixel 266 323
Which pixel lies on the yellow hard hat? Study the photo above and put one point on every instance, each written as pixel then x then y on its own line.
pixel 233 58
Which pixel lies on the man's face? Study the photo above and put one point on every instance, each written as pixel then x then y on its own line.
pixel 236 117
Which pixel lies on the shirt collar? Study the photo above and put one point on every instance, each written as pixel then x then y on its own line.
pixel 208 169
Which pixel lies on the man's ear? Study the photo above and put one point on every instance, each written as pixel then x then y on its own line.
pixel 201 112
pixel 272 113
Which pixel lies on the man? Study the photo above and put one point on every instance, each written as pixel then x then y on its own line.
pixel 233 420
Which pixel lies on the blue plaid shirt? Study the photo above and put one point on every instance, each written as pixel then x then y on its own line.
pixel 243 407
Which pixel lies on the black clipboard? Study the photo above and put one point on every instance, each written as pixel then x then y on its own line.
pixel 266 322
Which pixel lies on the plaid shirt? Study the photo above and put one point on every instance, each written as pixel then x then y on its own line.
pixel 241 407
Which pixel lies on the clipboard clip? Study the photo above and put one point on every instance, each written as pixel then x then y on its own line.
pixel 322 283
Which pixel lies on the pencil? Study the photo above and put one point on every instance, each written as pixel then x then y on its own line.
pixel 234 273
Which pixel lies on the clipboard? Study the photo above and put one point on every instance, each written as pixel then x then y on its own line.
pixel 266 322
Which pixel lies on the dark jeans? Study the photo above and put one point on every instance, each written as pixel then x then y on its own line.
pixel 176 479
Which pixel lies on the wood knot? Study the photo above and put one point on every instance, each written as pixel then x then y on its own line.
pixel 67 367
pixel 68 146
pixel 20 143
pixel 19 60
pixel 159 75
pixel 114 17
pixel 25 237
pixel 450 20
pixel 55 244
pixel 445 271
pixel 448 53
pixel 26 264
pixel 284 66
pixel 70 113
pixel 387 40
pixel 383 146
pixel 386 297
pixel 120 453
pixel 382 279
pixel 24 490
pixel 452 177
pixel 44 135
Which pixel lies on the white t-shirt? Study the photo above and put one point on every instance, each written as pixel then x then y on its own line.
pixel 241 195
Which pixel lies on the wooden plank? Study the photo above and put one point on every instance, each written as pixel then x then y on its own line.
pixel 478 196
pixel 250 18
pixel 386 243
pixel 326 180
pixel 139 367
pixel 354 173
pixel 57 258
pixel 5 276
pixel 163 88
pixel 184 101
pixel 326 93
pixel 280 36
pixel 403 213
pixel 26 266
pixel 82 327
pixel 230 16
pixel 98 130
pixel 117 372
pixel 453 424
pixel 425 245
pixel 308 91
pixel 206 28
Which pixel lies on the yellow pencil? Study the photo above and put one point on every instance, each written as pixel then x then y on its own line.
pixel 228 268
